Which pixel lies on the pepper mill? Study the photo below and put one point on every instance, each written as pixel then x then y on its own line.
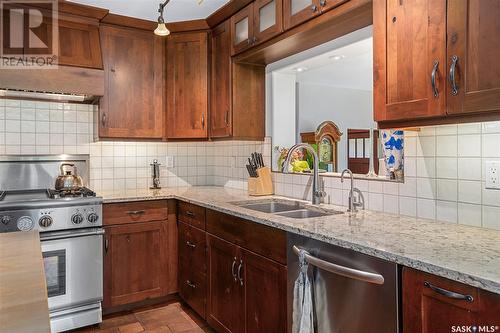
pixel 155 174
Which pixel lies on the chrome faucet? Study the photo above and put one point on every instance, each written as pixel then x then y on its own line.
pixel 317 194
pixel 354 202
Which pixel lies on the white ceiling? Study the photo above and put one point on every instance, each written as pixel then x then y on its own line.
pixel 176 10
pixel 354 70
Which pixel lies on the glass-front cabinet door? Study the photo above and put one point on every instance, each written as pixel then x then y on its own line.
pixel 298 11
pixel 242 29
pixel 268 19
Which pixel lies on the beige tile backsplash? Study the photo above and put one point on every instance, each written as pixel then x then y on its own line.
pixel 444 165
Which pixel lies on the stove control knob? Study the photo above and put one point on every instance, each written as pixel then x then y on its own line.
pixel 5 219
pixel 25 223
pixel 77 218
pixel 45 221
pixel 93 218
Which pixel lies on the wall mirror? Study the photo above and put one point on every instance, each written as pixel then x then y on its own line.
pixel 324 97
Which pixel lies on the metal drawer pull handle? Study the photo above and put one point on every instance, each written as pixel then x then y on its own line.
pixel 448 293
pixel 135 212
pixel 191 284
pixel 240 267
pixel 433 78
pixel 453 69
pixel 188 243
pixel 106 245
pixel 189 213
pixel 233 266
pixel 342 270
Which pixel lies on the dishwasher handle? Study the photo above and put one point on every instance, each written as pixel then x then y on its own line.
pixel 341 270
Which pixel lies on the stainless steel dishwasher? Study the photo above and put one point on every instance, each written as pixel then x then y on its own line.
pixel 352 292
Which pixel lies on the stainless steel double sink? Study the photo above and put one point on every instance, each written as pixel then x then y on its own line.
pixel 286 208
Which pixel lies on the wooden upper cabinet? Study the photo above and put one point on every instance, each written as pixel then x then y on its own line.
pixel 132 105
pixel 473 53
pixel 220 89
pixel 79 44
pixel 134 263
pixel 187 85
pixel 299 11
pixel 78 39
pixel 325 5
pixel 242 29
pixel 256 23
pixel 268 19
pixel 409 59
pixel 434 304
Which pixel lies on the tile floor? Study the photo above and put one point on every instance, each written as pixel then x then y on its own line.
pixel 170 318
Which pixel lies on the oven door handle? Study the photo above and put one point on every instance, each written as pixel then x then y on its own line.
pixel 66 235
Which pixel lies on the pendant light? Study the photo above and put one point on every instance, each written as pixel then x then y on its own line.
pixel 162 29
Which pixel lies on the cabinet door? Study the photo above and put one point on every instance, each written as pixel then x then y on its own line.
pixel 225 302
pixel 404 66
pixel 242 29
pixel 187 85
pixel 79 45
pixel 299 11
pixel 220 107
pixel 267 19
pixel 474 41
pixel 132 105
pixel 134 263
pixel 426 308
pixel 326 5
pixel 263 279
pixel 192 267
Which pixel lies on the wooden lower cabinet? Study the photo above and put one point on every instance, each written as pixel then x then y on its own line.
pixel 432 304
pixel 225 309
pixel 247 292
pixel 264 284
pixel 140 258
pixel 134 257
pixel 192 267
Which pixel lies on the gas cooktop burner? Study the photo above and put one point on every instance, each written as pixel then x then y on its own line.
pixel 81 192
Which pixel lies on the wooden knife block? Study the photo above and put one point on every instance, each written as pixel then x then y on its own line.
pixel 263 184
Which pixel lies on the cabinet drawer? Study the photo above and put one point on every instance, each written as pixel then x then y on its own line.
pixel 193 289
pixel 133 212
pixel 191 214
pixel 192 248
pixel 266 241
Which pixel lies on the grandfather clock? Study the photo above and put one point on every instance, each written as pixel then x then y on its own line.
pixel 325 140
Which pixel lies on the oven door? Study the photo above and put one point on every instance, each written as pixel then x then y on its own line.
pixel 73 267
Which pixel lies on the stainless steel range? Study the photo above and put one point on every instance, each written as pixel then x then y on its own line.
pixel 70 226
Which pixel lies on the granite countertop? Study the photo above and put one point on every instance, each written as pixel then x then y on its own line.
pixel 23 293
pixel 462 253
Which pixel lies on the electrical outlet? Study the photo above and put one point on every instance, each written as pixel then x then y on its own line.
pixel 492 175
pixel 170 162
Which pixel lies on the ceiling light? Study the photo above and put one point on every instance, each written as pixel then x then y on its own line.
pixel 300 69
pixel 337 57
pixel 162 30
